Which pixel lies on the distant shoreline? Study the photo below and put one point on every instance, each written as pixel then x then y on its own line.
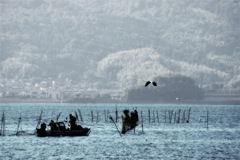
pixel 209 99
pixel 18 100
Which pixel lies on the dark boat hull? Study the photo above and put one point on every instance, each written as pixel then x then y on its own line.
pixel 59 133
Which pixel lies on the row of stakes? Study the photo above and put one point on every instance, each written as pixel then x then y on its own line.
pixel 152 116
pixel 170 116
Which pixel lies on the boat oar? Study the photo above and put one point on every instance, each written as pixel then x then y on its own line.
pixel 39 122
pixel 110 117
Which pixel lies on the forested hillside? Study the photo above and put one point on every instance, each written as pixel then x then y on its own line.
pixel 170 88
pixel 118 44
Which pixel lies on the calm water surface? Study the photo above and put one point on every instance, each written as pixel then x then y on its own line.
pixel 159 139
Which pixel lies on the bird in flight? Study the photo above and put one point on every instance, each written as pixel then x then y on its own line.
pixel 148 82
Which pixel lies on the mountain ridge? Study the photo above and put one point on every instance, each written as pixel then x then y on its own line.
pixel 73 38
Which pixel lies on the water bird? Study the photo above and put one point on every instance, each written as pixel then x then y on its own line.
pixel 148 82
pixel 177 99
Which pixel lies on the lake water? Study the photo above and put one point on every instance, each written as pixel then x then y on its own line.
pixel 159 139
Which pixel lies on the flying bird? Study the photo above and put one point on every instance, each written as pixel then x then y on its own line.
pixel 177 99
pixel 148 82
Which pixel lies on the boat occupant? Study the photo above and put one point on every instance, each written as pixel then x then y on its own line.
pixel 72 122
pixel 125 120
pixel 53 125
pixel 43 127
pixel 134 118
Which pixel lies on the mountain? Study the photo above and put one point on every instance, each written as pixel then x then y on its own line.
pixel 107 44
pixel 134 67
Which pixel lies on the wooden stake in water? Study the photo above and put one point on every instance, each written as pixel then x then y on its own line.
pixel 92 115
pixel 188 120
pixel 142 121
pixel 175 115
pixel 183 116
pixel 165 117
pixel 170 116
pixel 178 118
pixel 105 115
pixel 19 121
pixel 2 133
pixel 1 125
pixel 157 116
pixel 149 116
pixel 76 115
pixel 153 116
pixel 116 113
pixel 97 117
pixel 80 114
pixel 207 119
pixel 110 117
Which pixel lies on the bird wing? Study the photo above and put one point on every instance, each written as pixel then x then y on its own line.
pixel 147 83
pixel 154 83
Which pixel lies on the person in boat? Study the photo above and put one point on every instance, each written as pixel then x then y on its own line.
pixel 72 123
pixel 43 127
pixel 53 125
pixel 134 118
pixel 125 120
pixel 136 115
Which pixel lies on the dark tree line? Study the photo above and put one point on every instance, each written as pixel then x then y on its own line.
pixel 169 88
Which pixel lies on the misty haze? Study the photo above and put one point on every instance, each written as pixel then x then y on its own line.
pixel 105 51
pixel 120 79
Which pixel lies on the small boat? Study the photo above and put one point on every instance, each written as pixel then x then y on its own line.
pixel 129 122
pixel 60 130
